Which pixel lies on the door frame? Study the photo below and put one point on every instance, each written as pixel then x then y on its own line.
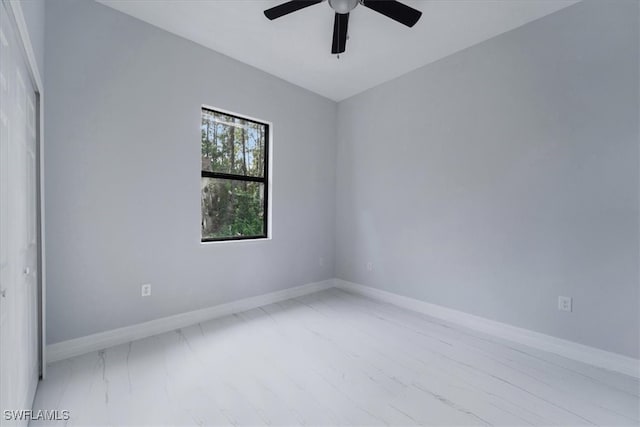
pixel 16 16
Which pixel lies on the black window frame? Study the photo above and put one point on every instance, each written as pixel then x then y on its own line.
pixel 233 177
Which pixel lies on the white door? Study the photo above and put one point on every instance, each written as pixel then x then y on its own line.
pixel 19 370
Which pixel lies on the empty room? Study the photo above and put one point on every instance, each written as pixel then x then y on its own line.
pixel 320 213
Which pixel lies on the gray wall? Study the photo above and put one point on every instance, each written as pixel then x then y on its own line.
pixel 33 11
pixel 503 176
pixel 491 181
pixel 123 174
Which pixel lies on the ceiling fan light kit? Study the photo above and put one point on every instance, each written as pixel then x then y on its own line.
pixel 343 6
pixel 395 10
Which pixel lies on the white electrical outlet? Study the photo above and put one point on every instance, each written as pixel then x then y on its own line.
pixel 369 266
pixel 565 303
pixel 146 290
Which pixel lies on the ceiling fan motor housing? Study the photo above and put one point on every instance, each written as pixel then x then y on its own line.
pixel 343 6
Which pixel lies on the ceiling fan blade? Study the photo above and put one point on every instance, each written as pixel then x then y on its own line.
pixel 340 26
pixel 395 10
pixel 289 7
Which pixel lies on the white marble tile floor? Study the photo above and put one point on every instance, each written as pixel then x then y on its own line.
pixel 333 359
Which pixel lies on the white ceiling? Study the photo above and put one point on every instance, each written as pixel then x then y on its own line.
pixel 297 47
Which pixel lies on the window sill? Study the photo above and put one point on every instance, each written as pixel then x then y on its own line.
pixel 256 240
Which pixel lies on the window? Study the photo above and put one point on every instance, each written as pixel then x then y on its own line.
pixel 234 185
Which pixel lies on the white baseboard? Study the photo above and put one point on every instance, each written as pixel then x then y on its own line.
pixel 591 355
pixel 77 346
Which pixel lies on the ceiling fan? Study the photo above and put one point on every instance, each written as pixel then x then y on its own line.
pixel 390 8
